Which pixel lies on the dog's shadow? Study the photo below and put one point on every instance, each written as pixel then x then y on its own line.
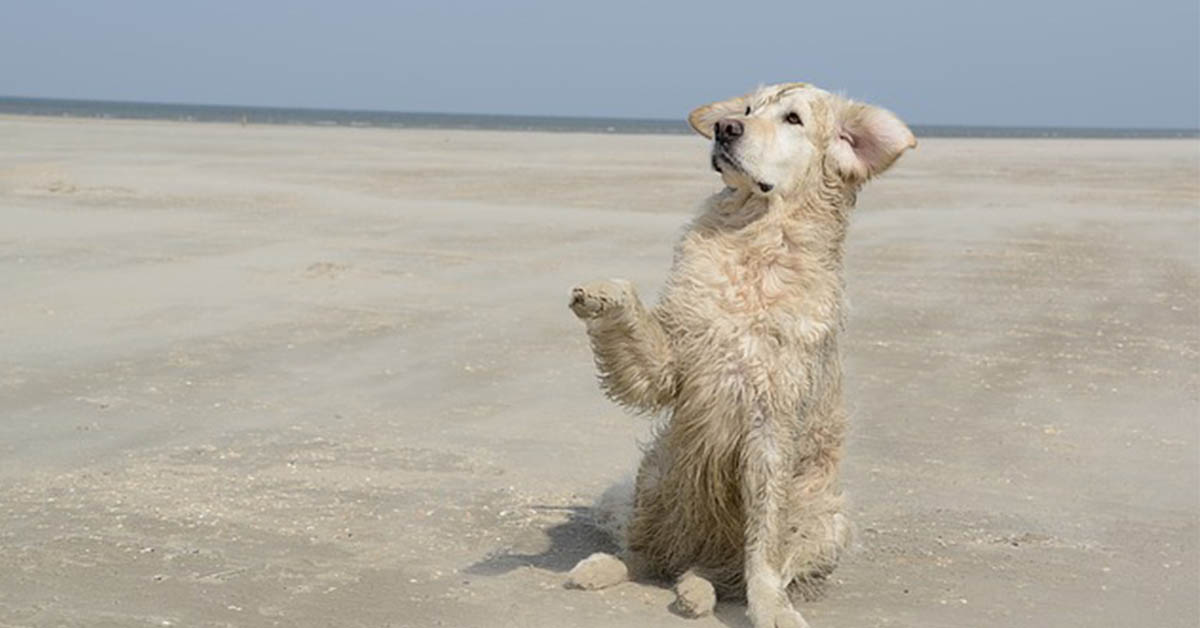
pixel 573 540
pixel 570 542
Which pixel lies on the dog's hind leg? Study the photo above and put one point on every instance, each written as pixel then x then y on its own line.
pixel 694 595
pixel 597 571
pixel 815 545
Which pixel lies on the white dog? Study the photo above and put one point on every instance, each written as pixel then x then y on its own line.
pixel 738 494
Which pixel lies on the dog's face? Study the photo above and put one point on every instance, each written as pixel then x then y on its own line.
pixel 776 139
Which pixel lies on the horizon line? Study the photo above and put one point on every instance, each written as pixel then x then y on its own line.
pixel 564 117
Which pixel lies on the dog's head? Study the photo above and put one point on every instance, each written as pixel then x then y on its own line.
pixel 775 139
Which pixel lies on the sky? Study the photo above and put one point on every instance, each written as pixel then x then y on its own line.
pixel 1082 63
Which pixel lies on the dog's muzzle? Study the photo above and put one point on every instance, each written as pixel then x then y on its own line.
pixel 722 159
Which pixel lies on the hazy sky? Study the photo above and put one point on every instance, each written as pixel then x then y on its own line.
pixel 1001 62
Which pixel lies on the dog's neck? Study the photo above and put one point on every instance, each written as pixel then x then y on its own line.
pixel 812 218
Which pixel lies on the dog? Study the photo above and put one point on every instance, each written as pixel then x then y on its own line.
pixel 737 494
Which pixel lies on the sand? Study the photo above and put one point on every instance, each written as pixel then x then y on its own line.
pixel 284 376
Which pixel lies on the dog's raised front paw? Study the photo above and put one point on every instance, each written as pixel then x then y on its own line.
pixel 597 298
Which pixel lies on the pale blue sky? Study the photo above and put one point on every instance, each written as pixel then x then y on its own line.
pixel 1011 62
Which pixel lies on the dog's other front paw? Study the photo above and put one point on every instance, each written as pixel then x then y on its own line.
pixel 775 612
pixel 790 618
pixel 597 298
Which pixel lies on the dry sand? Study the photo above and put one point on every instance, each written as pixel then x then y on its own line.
pixel 274 376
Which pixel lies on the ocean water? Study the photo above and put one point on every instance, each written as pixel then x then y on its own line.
pixel 411 120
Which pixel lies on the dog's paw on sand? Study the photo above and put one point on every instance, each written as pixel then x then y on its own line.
pixel 788 618
pixel 596 298
pixel 597 572
pixel 694 596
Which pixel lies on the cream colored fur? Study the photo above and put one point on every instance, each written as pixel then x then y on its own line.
pixel 739 488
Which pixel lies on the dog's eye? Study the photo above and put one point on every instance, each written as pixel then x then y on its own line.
pixel 747 111
pixel 793 118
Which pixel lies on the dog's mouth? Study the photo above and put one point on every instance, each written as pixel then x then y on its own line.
pixel 722 159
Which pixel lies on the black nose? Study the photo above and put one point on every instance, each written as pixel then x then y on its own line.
pixel 728 130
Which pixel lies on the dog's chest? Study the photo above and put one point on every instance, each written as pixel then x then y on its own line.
pixel 758 295
pixel 751 322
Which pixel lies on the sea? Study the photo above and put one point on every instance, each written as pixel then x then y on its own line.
pixel 421 120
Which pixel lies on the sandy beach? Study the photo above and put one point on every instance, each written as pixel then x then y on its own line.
pixel 302 376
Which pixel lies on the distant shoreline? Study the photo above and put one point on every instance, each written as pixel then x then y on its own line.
pixel 54 107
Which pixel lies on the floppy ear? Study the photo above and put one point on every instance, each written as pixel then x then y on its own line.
pixel 703 118
pixel 869 139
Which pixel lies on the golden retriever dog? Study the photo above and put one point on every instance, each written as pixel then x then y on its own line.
pixel 738 493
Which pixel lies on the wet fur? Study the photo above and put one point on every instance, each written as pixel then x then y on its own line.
pixel 740 485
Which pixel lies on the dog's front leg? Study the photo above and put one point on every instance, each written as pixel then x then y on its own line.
pixel 632 351
pixel 764 473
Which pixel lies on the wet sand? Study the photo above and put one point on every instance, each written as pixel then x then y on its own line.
pixel 285 376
